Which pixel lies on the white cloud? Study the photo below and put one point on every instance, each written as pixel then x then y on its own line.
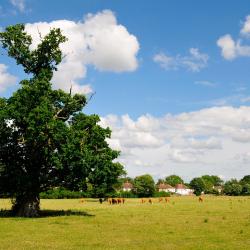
pixel 246 26
pixel 230 48
pixel 206 83
pixel 19 4
pixel 194 62
pixel 97 40
pixel 188 144
pixel 6 79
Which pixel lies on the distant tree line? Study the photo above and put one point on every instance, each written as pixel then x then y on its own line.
pixel 145 186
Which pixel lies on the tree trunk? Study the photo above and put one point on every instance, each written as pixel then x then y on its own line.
pixel 26 206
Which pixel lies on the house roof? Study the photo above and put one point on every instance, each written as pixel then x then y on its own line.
pixel 127 185
pixel 181 186
pixel 164 186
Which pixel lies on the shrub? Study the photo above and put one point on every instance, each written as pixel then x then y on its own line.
pixel 62 193
pixel 161 194
pixel 127 194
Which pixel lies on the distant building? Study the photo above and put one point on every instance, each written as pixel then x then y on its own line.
pixel 183 190
pixel 162 187
pixel 218 189
pixel 127 186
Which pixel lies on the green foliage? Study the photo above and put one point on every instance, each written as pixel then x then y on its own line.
pixel 160 181
pixel 45 139
pixel 246 189
pixel 245 179
pixel 62 193
pixel 126 194
pixel 232 187
pixel 198 185
pixel 161 194
pixel 210 182
pixel 144 186
pixel 173 180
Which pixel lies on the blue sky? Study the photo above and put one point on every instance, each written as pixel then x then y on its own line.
pixel 182 59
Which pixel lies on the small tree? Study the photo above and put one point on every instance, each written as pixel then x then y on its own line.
pixel 45 139
pixel 210 182
pixel 173 180
pixel 232 187
pixel 144 186
pixel 198 185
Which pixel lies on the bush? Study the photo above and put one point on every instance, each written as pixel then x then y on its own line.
pixel 126 194
pixel 232 188
pixel 161 194
pixel 62 193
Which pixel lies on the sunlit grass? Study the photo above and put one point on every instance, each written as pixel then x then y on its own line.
pixel 183 223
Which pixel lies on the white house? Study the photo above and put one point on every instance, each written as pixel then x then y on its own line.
pixel 183 190
pixel 165 188
pixel 127 186
pixel 218 189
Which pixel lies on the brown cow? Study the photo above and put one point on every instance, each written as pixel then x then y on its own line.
pixel 81 200
pixel 200 199
pixel 114 201
pixel 123 200
pixel 167 199
pixel 150 200
pixel 142 200
pixel 160 199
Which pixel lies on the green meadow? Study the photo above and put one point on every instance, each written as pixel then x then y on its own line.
pixel 183 223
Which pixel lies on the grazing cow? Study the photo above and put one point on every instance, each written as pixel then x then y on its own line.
pixel 123 200
pixel 160 199
pixel 142 200
pixel 200 199
pixel 114 201
pixel 150 200
pixel 100 200
pixel 109 201
pixel 167 199
pixel 119 200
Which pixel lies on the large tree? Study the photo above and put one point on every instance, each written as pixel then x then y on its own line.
pixel 45 139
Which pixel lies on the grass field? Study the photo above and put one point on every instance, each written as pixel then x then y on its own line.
pixel 184 223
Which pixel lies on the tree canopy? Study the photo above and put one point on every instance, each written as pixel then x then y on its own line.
pixel 198 184
pixel 45 139
pixel 144 186
pixel 173 180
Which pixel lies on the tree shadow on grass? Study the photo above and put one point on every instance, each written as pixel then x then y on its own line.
pixel 4 213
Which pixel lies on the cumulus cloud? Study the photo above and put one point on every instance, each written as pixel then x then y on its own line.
pixel 202 142
pixel 96 40
pixel 246 27
pixel 194 62
pixel 6 79
pixel 19 4
pixel 230 48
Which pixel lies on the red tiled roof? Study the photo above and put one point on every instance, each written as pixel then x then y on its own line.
pixel 164 186
pixel 181 186
pixel 127 185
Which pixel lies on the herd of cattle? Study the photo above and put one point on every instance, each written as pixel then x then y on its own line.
pixel 113 201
